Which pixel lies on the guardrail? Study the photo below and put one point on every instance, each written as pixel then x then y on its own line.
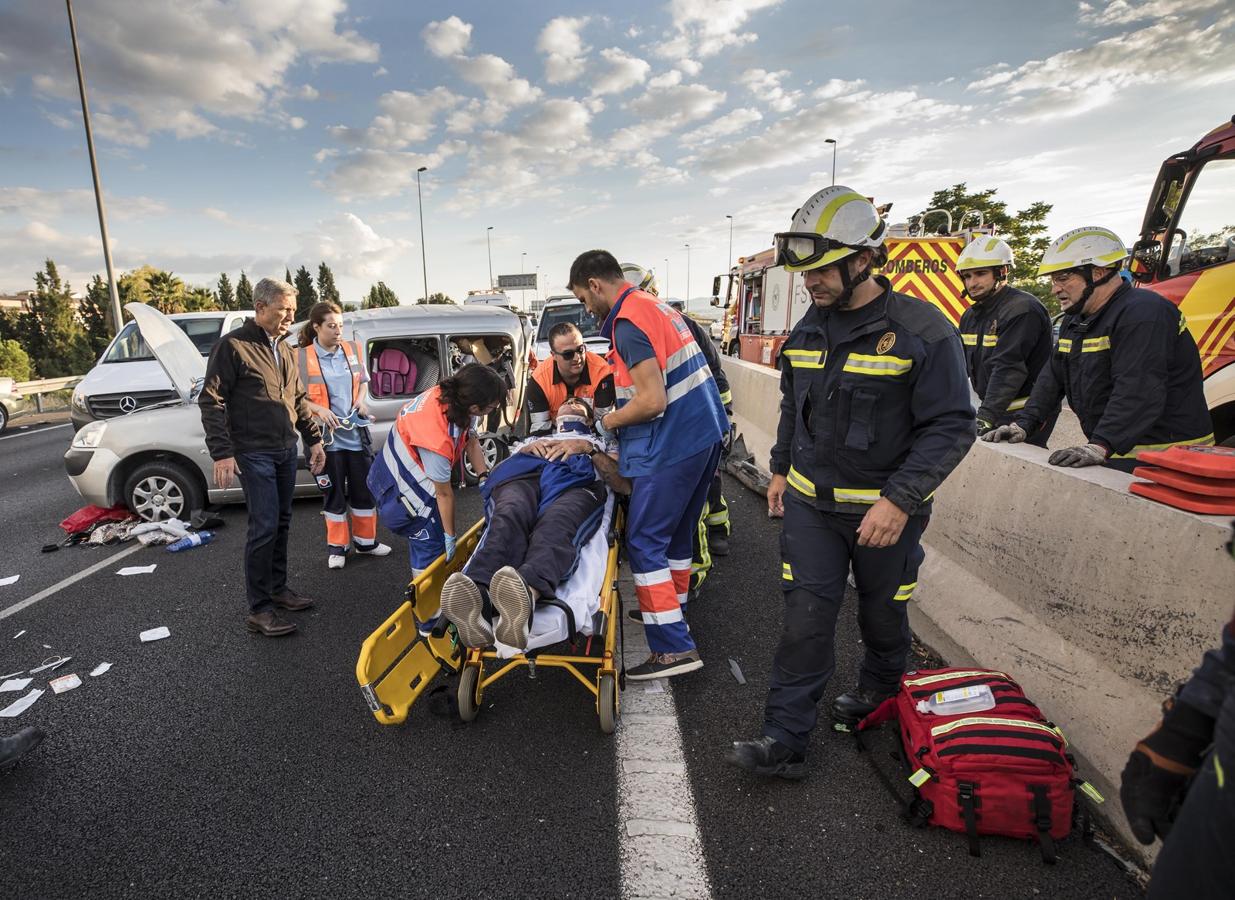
pixel 45 386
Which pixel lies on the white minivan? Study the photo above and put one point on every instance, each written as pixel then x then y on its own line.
pixel 128 377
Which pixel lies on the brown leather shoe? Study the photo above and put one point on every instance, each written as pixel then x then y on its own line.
pixel 270 624
pixel 292 601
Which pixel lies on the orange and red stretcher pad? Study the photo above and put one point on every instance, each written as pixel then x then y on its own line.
pixel 1196 479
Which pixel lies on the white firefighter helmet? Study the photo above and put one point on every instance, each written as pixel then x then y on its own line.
pixel 833 224
pixel 984 252
pixel 1088 246
pixel 643 279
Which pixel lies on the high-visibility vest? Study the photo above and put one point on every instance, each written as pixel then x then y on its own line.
pixel 421 423
pixel 556 390
pixel 315 382
pixel 694 418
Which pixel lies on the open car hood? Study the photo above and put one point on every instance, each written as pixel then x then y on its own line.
pixel 180 359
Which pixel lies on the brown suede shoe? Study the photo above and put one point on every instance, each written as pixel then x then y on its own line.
pixel 270 624
pixel 292 601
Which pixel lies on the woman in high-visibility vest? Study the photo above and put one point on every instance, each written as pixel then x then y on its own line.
pixel 334 376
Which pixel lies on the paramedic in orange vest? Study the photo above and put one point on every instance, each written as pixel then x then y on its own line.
pixel 670 425
pixel 334 376
pixel 411 478
pixel 572 370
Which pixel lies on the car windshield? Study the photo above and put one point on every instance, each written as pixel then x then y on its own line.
pixel 129 346
pixel 575 313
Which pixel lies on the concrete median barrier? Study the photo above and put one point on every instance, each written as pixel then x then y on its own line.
pixel 1098 602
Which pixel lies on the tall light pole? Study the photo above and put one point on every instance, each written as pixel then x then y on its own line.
pixel 686 305
pixel 522 260
pixel 94 173
pixel 730 260
pixel 489 245
pixel 832 141
pixel 424 259
pixel 667 277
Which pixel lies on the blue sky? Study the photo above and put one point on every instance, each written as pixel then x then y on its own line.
pixel 259 134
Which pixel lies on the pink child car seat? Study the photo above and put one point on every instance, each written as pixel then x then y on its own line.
pixel 392 374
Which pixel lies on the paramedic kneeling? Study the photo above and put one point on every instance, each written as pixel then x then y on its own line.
pixel 542 504
pixel 411 478
pixel 874 414
pixel 670 425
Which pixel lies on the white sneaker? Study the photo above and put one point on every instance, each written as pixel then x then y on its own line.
pixel 375 550
pixel 336 561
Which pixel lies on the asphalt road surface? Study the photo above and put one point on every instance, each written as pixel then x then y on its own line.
pixel 217 763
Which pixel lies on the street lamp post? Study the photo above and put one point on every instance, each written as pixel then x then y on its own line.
pixel 730 260
pixel 667 294
pixel 94 174
pixel 522 260
pixel 832 141
pixel 489 245
pixel 686 305
pixel 424 259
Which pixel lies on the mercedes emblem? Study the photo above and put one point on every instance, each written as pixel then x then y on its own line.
pixel 127 404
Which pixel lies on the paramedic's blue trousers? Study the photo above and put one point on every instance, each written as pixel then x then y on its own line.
pixel 817 549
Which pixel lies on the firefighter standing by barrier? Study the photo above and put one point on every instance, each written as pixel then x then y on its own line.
pixel 875 413
pixel 1006 333
pixel 670 425
pixel 712 536
pixel 1124 359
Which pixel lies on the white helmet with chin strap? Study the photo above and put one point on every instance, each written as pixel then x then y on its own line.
pixel 834 224
pixel 985 252
pixel 643 279
pixel 1084 249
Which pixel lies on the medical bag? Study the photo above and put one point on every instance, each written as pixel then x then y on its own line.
pixel 1004 770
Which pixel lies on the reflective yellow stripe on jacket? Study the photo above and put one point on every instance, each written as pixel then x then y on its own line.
pixel 805 359
pixel 800 483
pixel 1092 345
pixel 1206 441
pixel 1018 403
pixel 870 364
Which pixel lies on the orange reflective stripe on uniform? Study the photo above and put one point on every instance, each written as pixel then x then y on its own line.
pixel 364 525
pixel 337 534
pixel 657 595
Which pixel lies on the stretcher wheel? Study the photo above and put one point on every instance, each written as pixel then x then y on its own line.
pixel 607 703
pixel 469 693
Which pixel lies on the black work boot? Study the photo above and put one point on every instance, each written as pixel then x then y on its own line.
pixel 718 542
pixel 768 757
pixel 852 706
pixel 15 746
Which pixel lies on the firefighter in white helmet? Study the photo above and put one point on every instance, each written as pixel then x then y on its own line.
pixel 1125 360
pixel 1006 333
pixel 874 414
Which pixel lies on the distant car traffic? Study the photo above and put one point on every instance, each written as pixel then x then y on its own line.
pixel 717 329
pixel 567 308
pixel 12 403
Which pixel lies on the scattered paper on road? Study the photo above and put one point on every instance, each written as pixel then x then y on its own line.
pixel 53 662
pixel 11 579
pixel 736 671
pixel 64 683
pixel 12 675
pixel 155 634
pixel 17 707
pixel 15 684
pixel 19 634
pixel 138 570
pixel 99 669
pixel 655 687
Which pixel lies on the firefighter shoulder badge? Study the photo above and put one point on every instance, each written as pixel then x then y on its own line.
pixel 886 343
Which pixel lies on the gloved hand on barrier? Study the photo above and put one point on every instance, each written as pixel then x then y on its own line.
pixel 450 547
pixel 984 426
pixel 1160 768
pixel 1078 457
pixel 1013 434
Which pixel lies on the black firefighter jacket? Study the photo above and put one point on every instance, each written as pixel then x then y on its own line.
pixel 1007 341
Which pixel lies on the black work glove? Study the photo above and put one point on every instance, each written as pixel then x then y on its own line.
pixel 985 426
pixel 1160 769
pixel 1077 457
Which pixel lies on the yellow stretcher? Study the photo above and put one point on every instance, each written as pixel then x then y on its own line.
pixel 397 664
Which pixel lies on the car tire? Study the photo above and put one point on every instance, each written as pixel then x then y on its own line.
pixel 4 418
pixel 163 490
pixel 495 450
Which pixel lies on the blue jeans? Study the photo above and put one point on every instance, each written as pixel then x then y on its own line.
pixel 269 481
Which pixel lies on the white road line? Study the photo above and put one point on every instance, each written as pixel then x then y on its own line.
pixel 9 437
pixel 72 579
pixel 661 851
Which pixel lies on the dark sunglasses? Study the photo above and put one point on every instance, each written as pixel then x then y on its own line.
pixel 568 355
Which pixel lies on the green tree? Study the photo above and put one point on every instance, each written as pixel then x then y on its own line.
pixel 96 316
pixel 380 295
pixel 166 292
pixel 1025 231
pixel 244 292
pixel 54 339
pixel 325 284
pixel 200 299
pixel 305 295
pixel 227 297
pixel 287 275
pixel 437 297
pixel 14 361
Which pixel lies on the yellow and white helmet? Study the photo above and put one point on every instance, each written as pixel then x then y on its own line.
pixel 643 279
pixel 835 223
pixel 984 252
pixel 1088 246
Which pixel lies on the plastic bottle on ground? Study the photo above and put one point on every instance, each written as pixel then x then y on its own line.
pixel 189 541
pixel 958 700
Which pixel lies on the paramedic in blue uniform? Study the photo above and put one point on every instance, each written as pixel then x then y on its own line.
pixel 670 425
pixel 875 413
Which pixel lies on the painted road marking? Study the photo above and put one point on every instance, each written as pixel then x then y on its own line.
pixel 9 437
pixel 661 851
pixel 72 579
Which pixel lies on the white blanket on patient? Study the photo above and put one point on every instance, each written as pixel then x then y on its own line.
pixel 581 592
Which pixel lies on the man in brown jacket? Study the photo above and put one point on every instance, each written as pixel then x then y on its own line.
pixel 252 405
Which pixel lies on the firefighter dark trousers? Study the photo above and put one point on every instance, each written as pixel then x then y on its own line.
pixel 1198 859
pixel 817 549
pixel 348 501
pixel 713 520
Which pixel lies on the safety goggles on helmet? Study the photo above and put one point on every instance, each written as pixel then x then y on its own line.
pixel 803 248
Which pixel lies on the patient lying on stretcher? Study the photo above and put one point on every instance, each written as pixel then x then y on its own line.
pixel 543 504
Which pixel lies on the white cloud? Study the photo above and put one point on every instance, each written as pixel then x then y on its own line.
pixel 384 173
pixel 766 86
pixel 706 27
pixel 42 205
pixel 307 92
pixel 497 78
pixel 620 72
pixel 561 41
pixel 668 104
pixel 406 118
pixel 351 246
pixel 449 37
pixel 1125 12
pixel 381 72
pixel 723 126
pixel 690 67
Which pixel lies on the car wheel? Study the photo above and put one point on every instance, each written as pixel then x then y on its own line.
pixel 4 418
pixel 161 490
pixel 495 451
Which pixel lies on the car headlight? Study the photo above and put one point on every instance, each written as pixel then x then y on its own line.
pixel 90 436
pixel 79 401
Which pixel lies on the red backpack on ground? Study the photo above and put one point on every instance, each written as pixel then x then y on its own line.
pixel 1003 771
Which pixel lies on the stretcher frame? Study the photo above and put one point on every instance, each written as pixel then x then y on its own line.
pixel 397 664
